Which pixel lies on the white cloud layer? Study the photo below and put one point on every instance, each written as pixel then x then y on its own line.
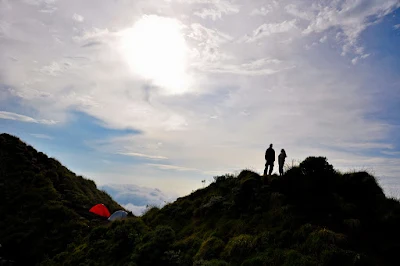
pixel 41 136
pixel 24 118
pixel 272 28
pixel 137 199
pixel 78 18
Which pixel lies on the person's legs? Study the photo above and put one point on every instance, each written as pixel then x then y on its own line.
pixel 281 169
pixel 271 167
pixel 266 169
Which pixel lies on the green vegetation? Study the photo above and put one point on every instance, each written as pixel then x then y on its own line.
pixel 313 215
pixel 43 205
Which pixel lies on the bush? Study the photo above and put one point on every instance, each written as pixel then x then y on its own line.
pixel 269 257
pixel 323 239
pixel 239 247
pixel 293 257
pixel 312 166
pixel 164 235
pixel 210 248
pixel 210 263
pixel 336 256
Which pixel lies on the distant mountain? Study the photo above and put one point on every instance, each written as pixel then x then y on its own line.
pixel 43 206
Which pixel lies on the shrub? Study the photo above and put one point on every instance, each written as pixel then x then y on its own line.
pixel 164 235
pixel 210 263
pixel 269 257
pixel 352 224
pixel 266 239
pixel 219 179
pixel 240 247
pixel 293 257
pixel 276 200
pixel 312 166
pixel 210 248
pixel 303 232
pixel 190 244
pixel 336 256
pixel 323 239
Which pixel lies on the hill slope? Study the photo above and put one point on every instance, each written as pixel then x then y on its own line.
pixel 312 215
pixel 43 205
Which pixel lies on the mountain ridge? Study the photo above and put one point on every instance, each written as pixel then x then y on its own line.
pixel 312 215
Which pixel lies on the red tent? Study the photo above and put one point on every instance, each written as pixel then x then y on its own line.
pixel 101 210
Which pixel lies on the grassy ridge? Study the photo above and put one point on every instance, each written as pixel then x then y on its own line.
pixel 313 215
pixel 43 205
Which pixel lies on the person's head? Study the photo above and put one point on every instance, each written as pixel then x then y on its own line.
pixel 270 145
pixel 283 151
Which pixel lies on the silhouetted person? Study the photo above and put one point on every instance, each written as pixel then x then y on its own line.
pixel 281 161
pixel 270 159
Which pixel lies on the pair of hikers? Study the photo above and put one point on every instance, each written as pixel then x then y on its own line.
pixel 270 159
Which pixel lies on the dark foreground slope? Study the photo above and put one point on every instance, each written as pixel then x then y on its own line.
pixel 311 216
pixel 43 205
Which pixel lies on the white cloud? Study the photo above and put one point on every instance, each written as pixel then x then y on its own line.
pixel 323 39
pixel 215 14
pixel 24 118
pixel 213 9
pixel 136 198
pixel 261 11
pixel 355 60
pixel 351 17
pixel 78 18
pixel 136 210
pixel 48 9
pixel 40 2
pixel 42 136
pixel 207 46
pixel 4 28
pixel 92 35
pixel 264 66
pixel 396 27
pixel 45 6
pixel 135 154
pixel 55 68
pixel 269 29
pixel 171 167
pixel 391 153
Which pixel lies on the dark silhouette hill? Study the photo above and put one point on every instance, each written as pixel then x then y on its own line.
pixel 312 215
pixel 43 205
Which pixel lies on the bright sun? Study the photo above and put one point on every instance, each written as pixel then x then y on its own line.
pixel 156 49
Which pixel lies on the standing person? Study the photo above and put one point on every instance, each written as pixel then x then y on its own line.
pixel 270 159
pixel 281 161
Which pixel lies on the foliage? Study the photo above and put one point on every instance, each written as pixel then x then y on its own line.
pixel 312 215
pixel 44 206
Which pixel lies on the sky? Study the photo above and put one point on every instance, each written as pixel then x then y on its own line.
pixel 162 94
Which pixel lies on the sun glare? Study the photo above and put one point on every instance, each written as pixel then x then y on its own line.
pixel 155 49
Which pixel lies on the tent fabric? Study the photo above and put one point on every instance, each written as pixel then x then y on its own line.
pixel 118 215
pixel 101 210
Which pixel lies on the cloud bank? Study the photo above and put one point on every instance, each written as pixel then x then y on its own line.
pixel 137 199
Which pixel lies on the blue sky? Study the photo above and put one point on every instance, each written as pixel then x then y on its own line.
pixel 163 94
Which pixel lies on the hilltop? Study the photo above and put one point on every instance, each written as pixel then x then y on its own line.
pixel 313 215
pixel 44 206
